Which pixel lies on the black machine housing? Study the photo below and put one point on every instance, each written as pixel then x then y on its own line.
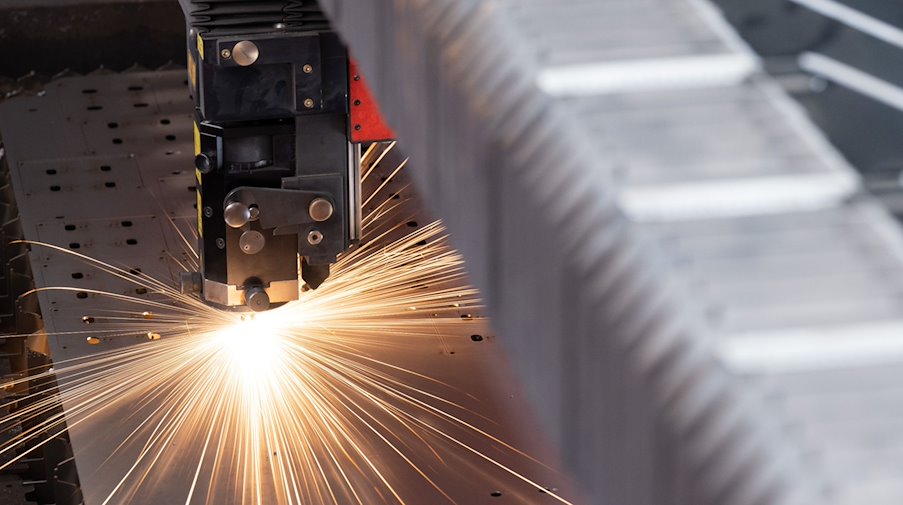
pixel 277 176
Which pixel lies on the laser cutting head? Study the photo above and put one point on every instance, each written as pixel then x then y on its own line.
pixel 277 153
pixel 277 174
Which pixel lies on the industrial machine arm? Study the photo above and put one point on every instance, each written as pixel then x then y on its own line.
pixel 277 149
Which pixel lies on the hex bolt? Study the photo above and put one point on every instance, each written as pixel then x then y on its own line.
pixel 307 69
pixel 220 243
pixel 309 103
pixel 226 53
pixel 208 211
pixel 314 237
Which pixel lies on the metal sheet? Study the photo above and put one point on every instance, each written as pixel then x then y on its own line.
pixel 102 166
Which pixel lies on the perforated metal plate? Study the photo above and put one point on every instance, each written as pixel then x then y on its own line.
pixel 102 166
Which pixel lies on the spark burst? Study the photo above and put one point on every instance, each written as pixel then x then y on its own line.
pixel 303 404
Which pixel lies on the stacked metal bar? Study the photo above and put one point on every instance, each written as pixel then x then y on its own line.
pixel 716 295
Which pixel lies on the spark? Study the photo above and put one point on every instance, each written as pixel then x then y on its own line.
pixel 303 404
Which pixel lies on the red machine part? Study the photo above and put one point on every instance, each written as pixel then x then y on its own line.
pixel 367 123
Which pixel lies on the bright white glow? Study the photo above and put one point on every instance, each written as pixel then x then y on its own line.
pixel 252 347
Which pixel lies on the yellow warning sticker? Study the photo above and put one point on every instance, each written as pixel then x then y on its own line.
pixel 201 47
pixel 200 222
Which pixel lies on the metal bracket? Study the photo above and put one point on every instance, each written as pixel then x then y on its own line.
pixel 279 209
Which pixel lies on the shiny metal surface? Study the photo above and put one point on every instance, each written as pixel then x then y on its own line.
pixel 251 242
pixel 236 214
pixel 320 209
pixel 245 53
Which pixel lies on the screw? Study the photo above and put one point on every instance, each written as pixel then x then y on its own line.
pixel 226 53
pixel 208 212
pixel 309 103
pixel 314 237
pixel 307 69
pixel 220 243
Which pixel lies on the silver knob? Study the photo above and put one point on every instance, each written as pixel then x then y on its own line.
pixel 320 209
pixel 236 214
pixel 245 53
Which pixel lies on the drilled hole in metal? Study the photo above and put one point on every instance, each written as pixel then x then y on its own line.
pixel 81 295
pixel 117 141
pixel 170 137
pixel 412 224
pixel 112 125
pixel 89 91
pixel 78 275
pixel 476 338
pixel 131 241
pixel 126 224
pixel 74 245
pixel 55 188
pixel 110 184
pixel 105 168
pixel 141 291
pixel 136 88
pixel 140 105
pixel 69 227
pixel 164 121
pixel 51 171
pixel 94 107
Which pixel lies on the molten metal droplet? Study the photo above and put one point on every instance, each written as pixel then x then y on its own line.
pixel 153 336
pixel 147 315
pixel 92 340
